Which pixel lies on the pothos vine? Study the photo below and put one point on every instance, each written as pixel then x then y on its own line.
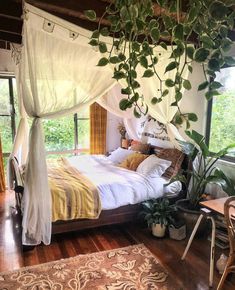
pixel 194 32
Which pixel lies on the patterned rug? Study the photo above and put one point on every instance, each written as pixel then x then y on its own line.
pixel 129 268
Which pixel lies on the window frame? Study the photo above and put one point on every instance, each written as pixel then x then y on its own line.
pixel 12 108
pixel 208 123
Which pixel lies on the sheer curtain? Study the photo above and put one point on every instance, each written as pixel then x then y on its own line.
pixel 59 76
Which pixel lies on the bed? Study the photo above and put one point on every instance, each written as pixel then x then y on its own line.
pixel 121 191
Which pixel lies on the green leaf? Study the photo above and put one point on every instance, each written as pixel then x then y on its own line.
pixel 140 24
pixel 90 14
pixel 103 61
pixel 135 46
pixel 122 57
pixel 171 66
pixel 215 85
pixel 165 93
pixel 155 100
pixel 169 83
pixel 135 85
pixel 218 10
pixel 155 34
pixel 193 12
pixel 95 34
pixel 153 23
pixel 190 68
pixel 136 113
pixel 135 98
pixel 163 45
pixel 201 54
pixel 190 51
pixel 192 117
pixel 148 73
pixel 114 59
pixel 144 61
pixel 133 10
pixel 178 96
pixel 178 31
pixel 200 141
pixel 223 31
pixel 104 31
pixel 214 64
pixel 93 42
pixel 229 60
pixel 187 85
pixel 209 95
pixel 124 14
pixel 119 75
pixel 126 91
pixel 133 74
pixel 179 120
pixel 226 44
pixel 124 104
pixel 203 85
pixel 102 47
pixel 207 41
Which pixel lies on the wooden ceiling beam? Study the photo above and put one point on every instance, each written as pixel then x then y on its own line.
pixel 11 9
pixel 11 25
pixel 10 37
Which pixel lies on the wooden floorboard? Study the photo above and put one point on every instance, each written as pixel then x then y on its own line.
pixel 192 273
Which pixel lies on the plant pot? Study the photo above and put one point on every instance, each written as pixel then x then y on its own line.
pixel 158 230
pixel 191 216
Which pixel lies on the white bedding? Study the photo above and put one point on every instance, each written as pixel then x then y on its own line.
pixel 118 186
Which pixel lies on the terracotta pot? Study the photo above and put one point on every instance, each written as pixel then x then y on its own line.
pixel 191 216
pixel 158 230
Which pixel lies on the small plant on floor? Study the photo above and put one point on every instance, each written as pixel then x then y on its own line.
pixel 158 213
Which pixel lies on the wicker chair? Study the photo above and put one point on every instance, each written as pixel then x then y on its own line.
pixel 229 214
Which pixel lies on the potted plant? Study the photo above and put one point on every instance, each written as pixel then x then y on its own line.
pixel 158 213
pixel 202 170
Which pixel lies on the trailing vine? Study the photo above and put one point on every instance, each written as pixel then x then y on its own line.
pixel 196 32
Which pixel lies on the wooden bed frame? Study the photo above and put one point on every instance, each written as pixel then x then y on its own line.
pixel 128 213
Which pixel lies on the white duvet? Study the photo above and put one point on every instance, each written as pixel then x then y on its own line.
pixel 118 186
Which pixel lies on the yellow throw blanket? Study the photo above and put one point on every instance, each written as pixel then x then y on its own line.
pixel 73 195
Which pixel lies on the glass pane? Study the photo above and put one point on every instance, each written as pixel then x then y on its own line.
pixel 17 116
pixel 6 135
pixel 83 134
pixel 59 133
pixel 223 112
pixel 5 108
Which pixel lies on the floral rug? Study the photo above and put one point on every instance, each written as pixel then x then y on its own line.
pixel 129 268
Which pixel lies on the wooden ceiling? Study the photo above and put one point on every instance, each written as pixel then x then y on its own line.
pixel 70 10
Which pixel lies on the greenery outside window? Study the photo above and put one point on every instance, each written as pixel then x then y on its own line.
pixel 221 114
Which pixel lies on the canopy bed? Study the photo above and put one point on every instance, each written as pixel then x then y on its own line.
pixel 57 74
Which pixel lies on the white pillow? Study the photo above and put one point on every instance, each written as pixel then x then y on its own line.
pixel 118 155
pixel 153 166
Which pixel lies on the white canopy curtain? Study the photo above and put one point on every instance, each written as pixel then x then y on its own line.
pixel 59 76
pixel 110 101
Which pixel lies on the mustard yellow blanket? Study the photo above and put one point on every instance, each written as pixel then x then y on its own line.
pixel 73 195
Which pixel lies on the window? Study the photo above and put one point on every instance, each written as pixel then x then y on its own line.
pixel 221 113
pixel 7 113
pixel 66 135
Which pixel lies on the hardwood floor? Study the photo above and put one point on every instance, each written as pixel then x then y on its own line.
pixel 191 273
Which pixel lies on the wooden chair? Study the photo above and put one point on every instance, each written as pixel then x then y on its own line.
pixel 229 214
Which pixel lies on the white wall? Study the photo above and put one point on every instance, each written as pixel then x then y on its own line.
pixel 113 138
pixel 6 62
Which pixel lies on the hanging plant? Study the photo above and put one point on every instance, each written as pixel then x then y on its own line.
pixel 196 32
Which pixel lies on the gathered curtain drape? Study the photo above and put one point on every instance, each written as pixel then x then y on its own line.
pixel 58 75
pixel 2 175
pixel 98 125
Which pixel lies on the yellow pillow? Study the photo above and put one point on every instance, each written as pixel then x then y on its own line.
pixel 133 160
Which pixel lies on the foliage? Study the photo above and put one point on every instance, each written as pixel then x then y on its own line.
pixel 158 211
pixel 137 32
pixel 202 168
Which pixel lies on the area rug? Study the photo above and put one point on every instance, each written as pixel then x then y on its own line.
pixel 129 268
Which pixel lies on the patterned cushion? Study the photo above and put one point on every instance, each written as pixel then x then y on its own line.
pixel 140 147
pixel 175 156
pixel 133 161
